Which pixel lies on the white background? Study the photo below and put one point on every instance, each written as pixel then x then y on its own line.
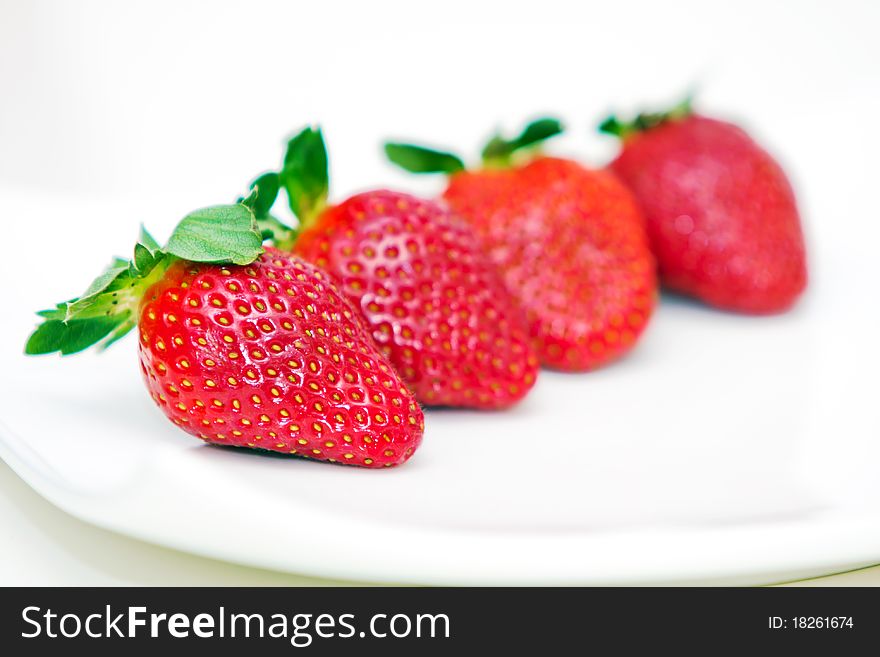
pixel 173 105
pixel 187 100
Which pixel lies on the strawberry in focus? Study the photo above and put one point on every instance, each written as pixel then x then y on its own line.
pixel 569 241
pixel 435 305
pixel 265 353
pixel 720 211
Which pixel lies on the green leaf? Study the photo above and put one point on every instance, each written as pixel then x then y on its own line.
pixel 147 240
pixel 58 312
pixel 538 131
pixel 612 126
pixel 114 275
pixel 143 258
pixel 305 174
pixel 264 192
pixel 119 332
pixel 74 335
pixel 266 187
pixel 500 149
pixel 281 235
pixel 218 234
pixel 418 159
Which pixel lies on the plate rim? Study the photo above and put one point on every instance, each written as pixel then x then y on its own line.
pixel 488 559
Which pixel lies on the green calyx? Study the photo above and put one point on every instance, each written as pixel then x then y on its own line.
pixel 499 153
pixel 304 176
pixel 264 192
pixel 645 120
pixel 107 310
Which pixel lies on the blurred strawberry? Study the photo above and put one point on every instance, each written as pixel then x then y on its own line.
pixel 720 211
pixel 569 240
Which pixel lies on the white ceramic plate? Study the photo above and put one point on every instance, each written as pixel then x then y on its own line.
pixel 724 449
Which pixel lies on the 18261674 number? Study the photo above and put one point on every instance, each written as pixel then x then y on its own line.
pixel 810 623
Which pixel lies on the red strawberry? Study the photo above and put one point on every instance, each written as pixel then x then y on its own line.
pixel 263 354
pixel 435 304
pixel 720 212
pixel 570 242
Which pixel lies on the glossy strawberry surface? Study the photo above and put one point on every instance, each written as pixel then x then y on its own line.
pixel 271 356
pixel 572 248
pixel 435 304
pixel 720 212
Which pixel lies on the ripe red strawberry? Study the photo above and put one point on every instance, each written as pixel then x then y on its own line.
pixel 435 304
pixel 263 354
pixel 720 211
pixel 570 242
